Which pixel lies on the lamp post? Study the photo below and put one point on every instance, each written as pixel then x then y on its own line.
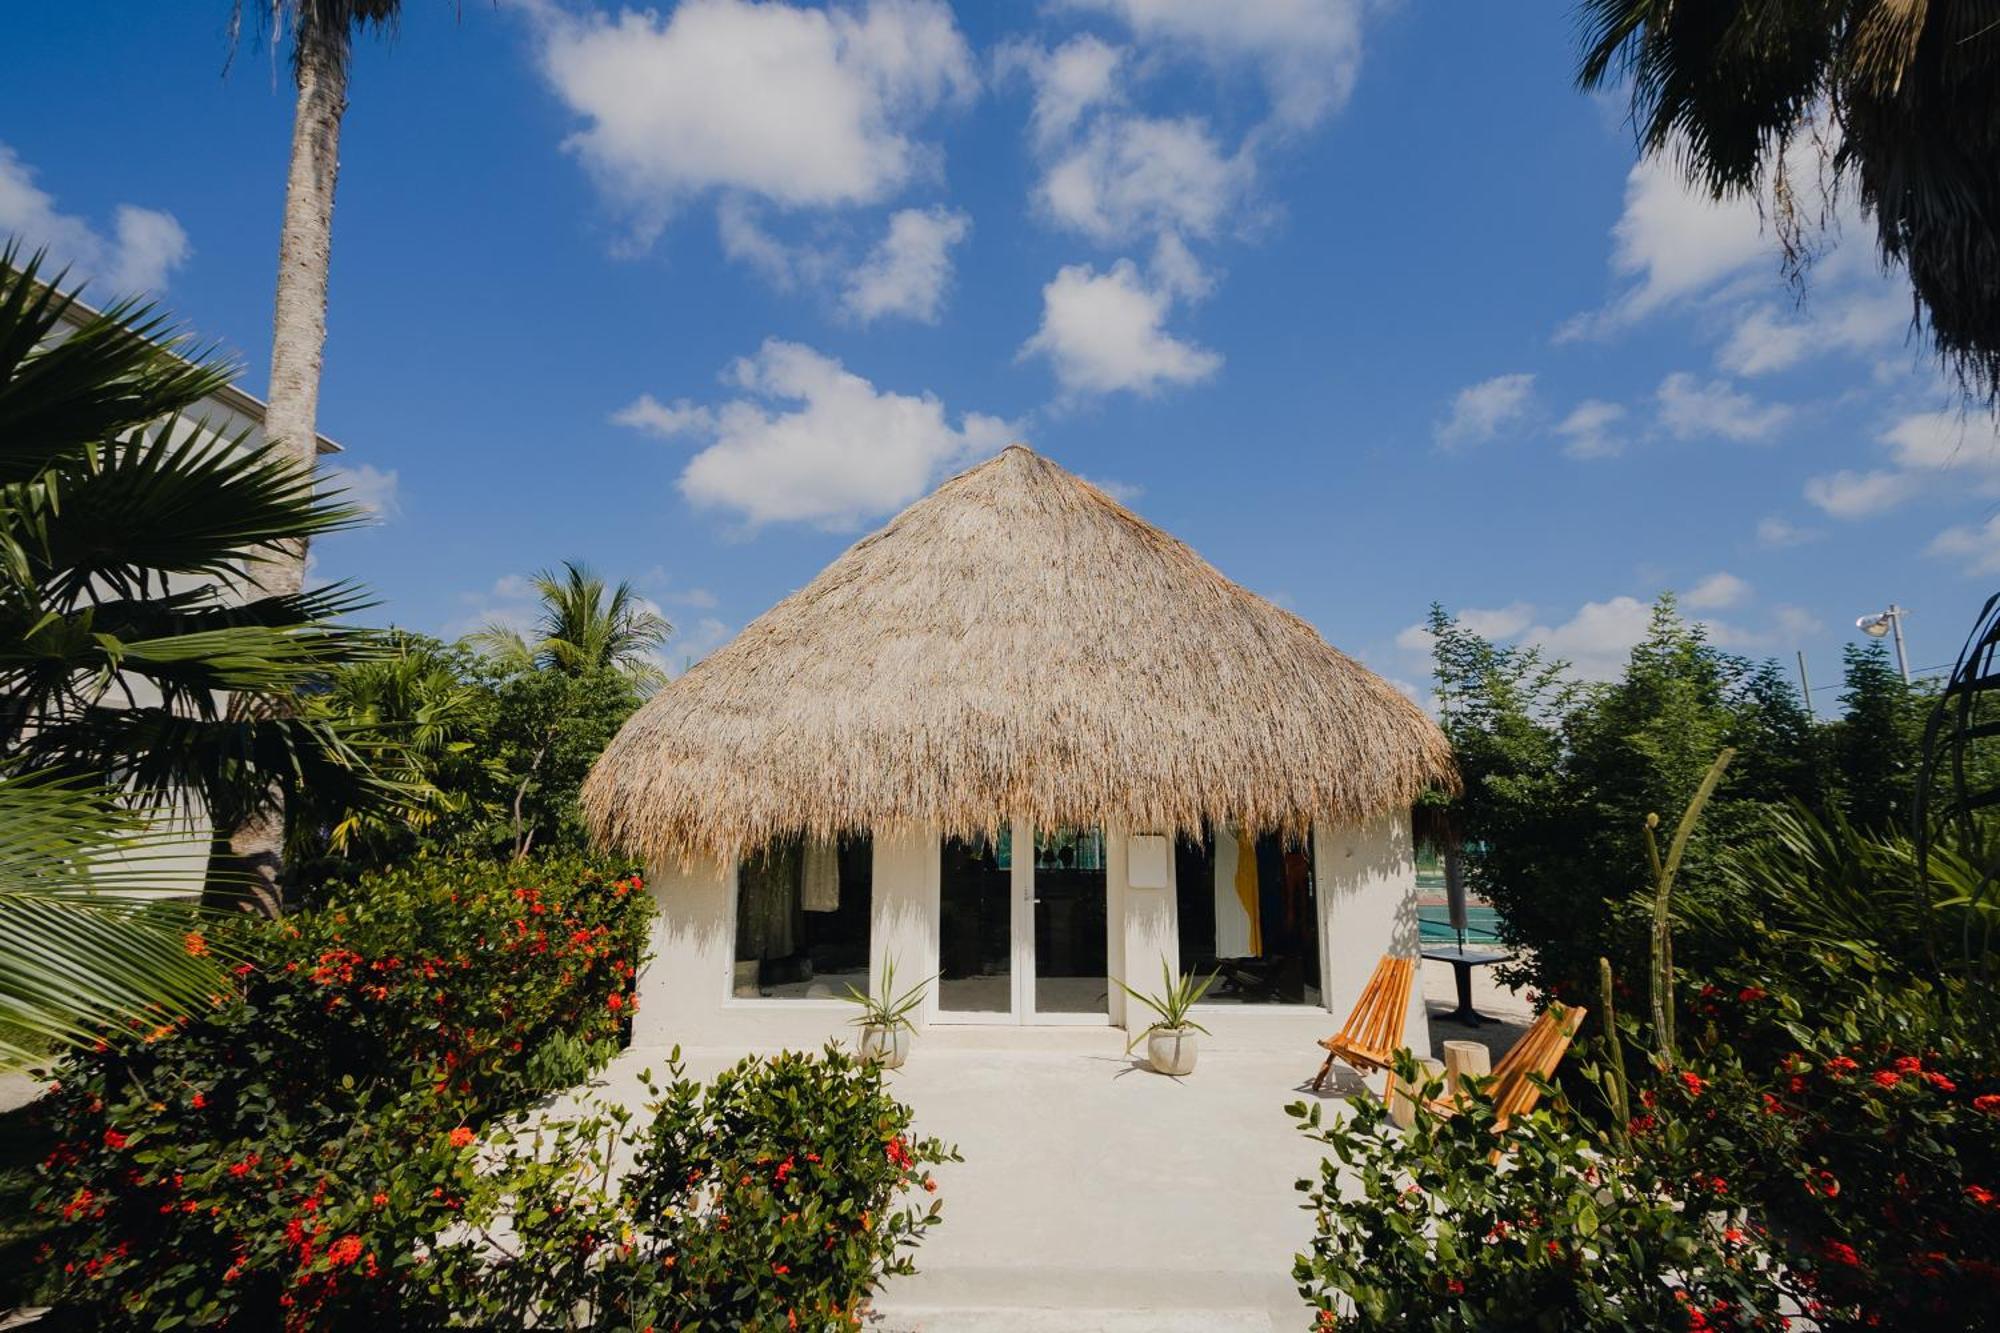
pixel 1888 622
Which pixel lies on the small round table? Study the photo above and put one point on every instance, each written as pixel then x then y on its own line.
pixel 1462 961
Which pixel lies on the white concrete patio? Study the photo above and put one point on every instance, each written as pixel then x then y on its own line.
pixel 1097 1195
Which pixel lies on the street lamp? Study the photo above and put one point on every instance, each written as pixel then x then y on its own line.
pixel 1888 622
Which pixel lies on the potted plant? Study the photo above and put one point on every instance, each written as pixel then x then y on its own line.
pixel 1169 1038
pixel 884 1019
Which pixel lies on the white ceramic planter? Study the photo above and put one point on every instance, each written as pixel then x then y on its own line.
pixel 887 1047
pixel 1171 1052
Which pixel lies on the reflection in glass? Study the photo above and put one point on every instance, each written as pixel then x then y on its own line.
pixel 975 926
pixel 1070 949
pixel 803 914
pixel 1249 912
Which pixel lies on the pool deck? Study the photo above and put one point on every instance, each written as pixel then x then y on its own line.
pixel 1097 1195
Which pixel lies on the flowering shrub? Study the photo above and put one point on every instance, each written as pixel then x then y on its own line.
pixel 773 1198
pixel 1562 1233
pixel 1871 1151
pixel 282 1156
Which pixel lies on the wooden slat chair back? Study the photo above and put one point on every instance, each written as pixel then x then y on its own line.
pixel 1374 1031
pixel 1536 1055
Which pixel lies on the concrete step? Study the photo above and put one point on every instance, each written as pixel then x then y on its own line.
pixel 1022 1319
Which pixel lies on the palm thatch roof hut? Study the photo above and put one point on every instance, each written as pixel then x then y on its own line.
pixel 1015 654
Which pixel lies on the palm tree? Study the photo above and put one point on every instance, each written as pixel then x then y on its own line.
pixel 585 638
pixel 129 654
pixel 582 628
pixel 1909 93
pixel 322 36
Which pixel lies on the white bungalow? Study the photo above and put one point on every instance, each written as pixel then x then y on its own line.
pixel 1024 742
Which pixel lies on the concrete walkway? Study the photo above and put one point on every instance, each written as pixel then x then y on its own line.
pixel 1097 1195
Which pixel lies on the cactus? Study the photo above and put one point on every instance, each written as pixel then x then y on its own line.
pixel 1662 996
pixel 1617 1089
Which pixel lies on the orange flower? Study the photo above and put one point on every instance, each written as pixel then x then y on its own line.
pixel 461 1137
pixel 196 946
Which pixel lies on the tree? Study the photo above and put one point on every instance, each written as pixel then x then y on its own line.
pixel 322 34
pixel 1877 740
pixel 583 627
pixel 566 692
pixel 129 654
pixel 1899 100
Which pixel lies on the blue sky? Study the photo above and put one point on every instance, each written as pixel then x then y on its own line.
pixel 1363 300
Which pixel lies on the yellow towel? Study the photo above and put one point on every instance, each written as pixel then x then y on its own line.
pixel 1246 890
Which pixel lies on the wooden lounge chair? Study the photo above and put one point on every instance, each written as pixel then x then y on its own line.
pixel 1374 1031
pixel 1536 1054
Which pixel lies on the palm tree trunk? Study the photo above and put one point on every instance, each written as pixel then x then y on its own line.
pixel 256 844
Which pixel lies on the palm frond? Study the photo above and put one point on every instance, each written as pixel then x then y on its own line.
pixel 81 955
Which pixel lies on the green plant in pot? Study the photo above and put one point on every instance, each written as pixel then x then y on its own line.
pixel 884 1020
pixel 1169 1038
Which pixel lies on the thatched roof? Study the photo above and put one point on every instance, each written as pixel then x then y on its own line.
pixel 1017 642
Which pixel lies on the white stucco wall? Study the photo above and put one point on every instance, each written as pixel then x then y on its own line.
pixel 1367 880
pixel 1367 889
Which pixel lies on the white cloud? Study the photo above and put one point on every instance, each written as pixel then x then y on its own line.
pixel 1138 175
pixel 1495 623
pixel 800 107
pixel 1765 340
pixel 369 487
pixel 1124 492
pixel 1795 622
pixel 1777 532
pixel 1598 639
pixel 1944 441
pixel 1480 411
pixel 1718 590
pixel 1848 494
pixel 744 239
pixel 1307 52
pixel 1586 431
pixel 1176 271
pixel 144 247
pixel 846 451
pixel 1671 243
pixel 1103 332
pixel 908 272
pixel 1926 449
pixel 1080 74
pixel 1690 409
pixel 679 417
pixel 1977 549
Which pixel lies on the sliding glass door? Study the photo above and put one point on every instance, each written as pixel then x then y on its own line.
pixel 1022 928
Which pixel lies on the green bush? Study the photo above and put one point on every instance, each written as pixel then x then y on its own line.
pixel 1869 1149
pixel 1561 1233
pixel 282 1153
pixel 773 1198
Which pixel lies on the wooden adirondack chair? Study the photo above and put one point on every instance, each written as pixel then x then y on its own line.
pixel 1374 1031
pixel 1538 1052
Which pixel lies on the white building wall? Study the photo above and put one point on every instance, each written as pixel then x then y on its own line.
pixel 907 874
pixel 1150 931
pixel 1367 880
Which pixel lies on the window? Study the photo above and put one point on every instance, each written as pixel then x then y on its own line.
pixel 975 925
pixel 804 910
pixel 1249 912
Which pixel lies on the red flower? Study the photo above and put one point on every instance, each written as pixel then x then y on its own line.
pixel 114 1140
pixel 1839 1065
pixel 1841 1253
pixel 1455 1287
pixel 1988 1102
pixel 616 1002
pixel 1888 1078
pixel 1751 994
pixel 461 1136
pixel 196 946
pixel 1908 1064
pixel 380 1199
pixel 200 1100
pixel 1980 1195
pixel 1693 1082
pixel 1939 1081
pixel 345 1250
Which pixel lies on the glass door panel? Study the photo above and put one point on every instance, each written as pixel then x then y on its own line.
pixel 1068 943
pixel 976 929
